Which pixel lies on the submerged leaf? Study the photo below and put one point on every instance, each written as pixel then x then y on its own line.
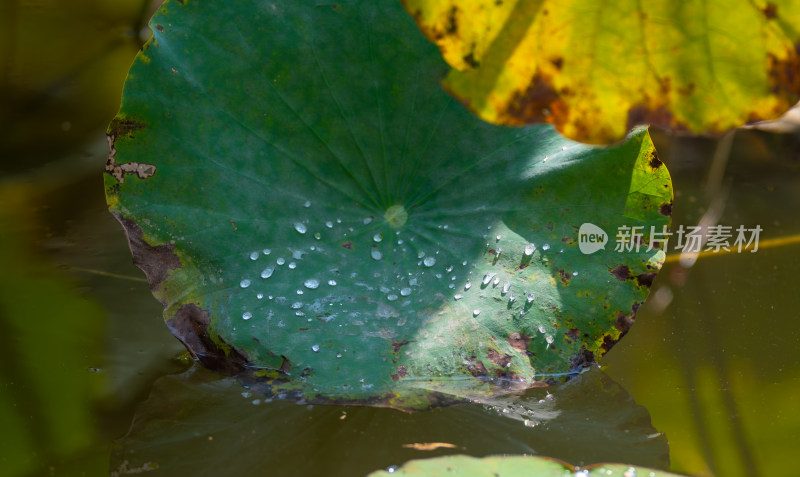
pixel 594 68
pixel 319 218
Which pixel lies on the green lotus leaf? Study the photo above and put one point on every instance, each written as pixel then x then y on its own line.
pixel 320 219
pixel 500 466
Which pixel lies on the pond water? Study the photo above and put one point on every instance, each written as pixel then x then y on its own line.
pixel 91 381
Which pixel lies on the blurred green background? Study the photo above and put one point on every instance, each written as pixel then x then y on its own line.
pixel 712 356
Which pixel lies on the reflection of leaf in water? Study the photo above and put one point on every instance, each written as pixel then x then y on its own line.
pixel 196 423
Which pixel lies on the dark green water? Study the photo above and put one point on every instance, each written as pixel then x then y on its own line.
pixel 90 381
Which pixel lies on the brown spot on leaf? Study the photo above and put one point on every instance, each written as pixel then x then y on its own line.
pixel 190 325
pixel 666 209
pixel 286 366
pixel 477 369
pixel 123 127
pixel 624 323
pixel 401 373
pixel 784 75
pixel 583 358
pixel 155 261
pixel 646 279
pixel 660 116
pixel 348 245
pixel 501 360
pixel 471 60
pixel 621 272
pixel 654 161
pixel 519 342
pixel 160 28
pixel 608 343
pixel 396 345
pixel 770 11
pixel 573 334
pixel 540 102
pixel 452 23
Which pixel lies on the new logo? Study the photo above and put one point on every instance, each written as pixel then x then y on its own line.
pixel 591 238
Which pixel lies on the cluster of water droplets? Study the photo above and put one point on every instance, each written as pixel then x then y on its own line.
pixel 299 285
pixel 326 275
pixel 629 472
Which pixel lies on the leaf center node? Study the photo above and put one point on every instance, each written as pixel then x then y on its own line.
pixel 396 216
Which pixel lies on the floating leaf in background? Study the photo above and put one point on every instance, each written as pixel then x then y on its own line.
pixel 508 466
pixel 315 213
pixel 218 425
pixel 593 68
